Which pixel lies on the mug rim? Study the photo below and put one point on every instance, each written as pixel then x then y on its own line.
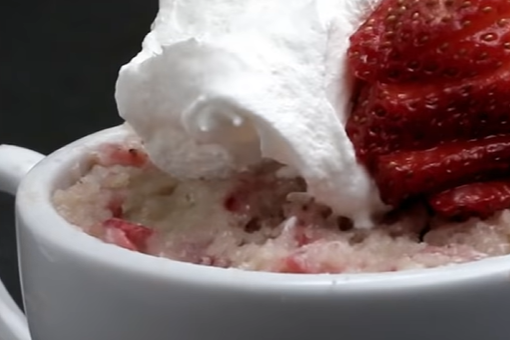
pixel 35 212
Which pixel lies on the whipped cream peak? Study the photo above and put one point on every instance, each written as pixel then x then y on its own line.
pixel 222 84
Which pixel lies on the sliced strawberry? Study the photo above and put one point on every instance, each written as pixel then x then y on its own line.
pixel 406 174
pixel 393 117
pixel 409 40
pixel 434 78
pixel 476 199
pixel 136 234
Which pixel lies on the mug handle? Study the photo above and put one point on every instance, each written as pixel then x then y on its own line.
pixel 15 162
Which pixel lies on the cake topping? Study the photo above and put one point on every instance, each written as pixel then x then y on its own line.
pixel 432 104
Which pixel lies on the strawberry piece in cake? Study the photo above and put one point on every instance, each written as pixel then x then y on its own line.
pixel 125 155
pixel 126 234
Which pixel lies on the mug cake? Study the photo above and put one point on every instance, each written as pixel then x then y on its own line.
pixel 314 137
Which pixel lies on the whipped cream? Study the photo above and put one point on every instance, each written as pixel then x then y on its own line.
pixel 221 84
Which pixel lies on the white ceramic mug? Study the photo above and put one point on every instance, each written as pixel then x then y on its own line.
pixel 76 287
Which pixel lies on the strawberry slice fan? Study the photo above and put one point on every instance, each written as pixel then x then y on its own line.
pixel 431 114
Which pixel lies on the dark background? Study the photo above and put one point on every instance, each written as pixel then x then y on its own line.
pixel 58 65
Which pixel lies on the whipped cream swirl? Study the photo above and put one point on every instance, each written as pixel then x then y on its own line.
pixel 222 84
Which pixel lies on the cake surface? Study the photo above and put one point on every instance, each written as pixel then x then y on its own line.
pixel 259 220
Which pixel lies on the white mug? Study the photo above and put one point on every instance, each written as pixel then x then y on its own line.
pixel 76 287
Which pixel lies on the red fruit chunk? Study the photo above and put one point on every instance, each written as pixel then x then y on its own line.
pixel 113 154
pixel 301 237
pixel 406 174
pixel 409 40
pixel 433 81
pixel 235 203
pixel 476 199
pixel 132 236
pixel 115 206
pixel 244 196
pixel 119 238
pixel 394 117
pixel 293 265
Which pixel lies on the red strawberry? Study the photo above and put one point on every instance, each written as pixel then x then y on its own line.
pixel 118 237
pixel 434 78
pixel 114 154
pixel 136 234
pixel 476 199
pixel 390 117
pixel 293 265
pixel 409 40
pixel 403 175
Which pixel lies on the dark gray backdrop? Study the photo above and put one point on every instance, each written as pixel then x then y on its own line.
pixel 58 65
